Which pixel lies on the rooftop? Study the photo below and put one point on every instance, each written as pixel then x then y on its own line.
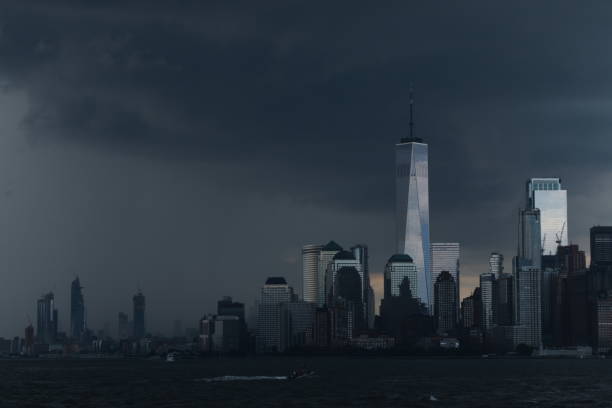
pixel 332 246
pixel 276 280
pixel 400 258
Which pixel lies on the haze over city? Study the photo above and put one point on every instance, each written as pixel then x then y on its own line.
pixel 192 152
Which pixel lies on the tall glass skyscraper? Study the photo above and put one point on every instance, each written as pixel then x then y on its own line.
pixel 412 211
pixel 445 257
pixel 550 198
pixel 310 272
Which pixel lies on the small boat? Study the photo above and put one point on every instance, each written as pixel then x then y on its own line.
pixel 170 358
pixel 296 374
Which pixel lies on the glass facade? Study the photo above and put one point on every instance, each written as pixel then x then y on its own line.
pixel 550 198
pixel 445 257
pixel 412 212
pixel 310 272
pixel 396 270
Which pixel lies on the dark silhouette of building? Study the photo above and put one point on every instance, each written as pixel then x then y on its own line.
pixel 445 302
pixel 348 288
pixel 77 310
pixel 123 326
pixel 227 307
pixel 601 319
pixel 503 300
pixel 404 317
pixel 46 330
pixel 601 260
pixel 139 315
pixel 322 328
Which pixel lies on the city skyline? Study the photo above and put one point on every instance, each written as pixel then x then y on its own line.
pixel 148 151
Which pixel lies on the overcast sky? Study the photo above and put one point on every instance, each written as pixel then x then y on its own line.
pixel 191 150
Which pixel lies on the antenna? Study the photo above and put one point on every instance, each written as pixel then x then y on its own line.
pixel 411 123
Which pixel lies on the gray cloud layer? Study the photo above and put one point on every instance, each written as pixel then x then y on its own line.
pixel 192 150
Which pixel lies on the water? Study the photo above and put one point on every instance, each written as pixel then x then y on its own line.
pixel 339 381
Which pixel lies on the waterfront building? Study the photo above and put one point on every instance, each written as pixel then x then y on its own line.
pixel 547 195
pixel 504 299
pixel 138 302
pixel 47 319
pixel 268 334
pixel 298 320
pixel 227 307
pixel 602 322
pixel 529 309
pixel 327 254
pixel 398 268
pixel 412 211
pixel 445 257
pixel 445 302
pixel 487 298
pixel 77 310
pixel 310 272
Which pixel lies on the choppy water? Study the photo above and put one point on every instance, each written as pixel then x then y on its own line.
pixel 339 381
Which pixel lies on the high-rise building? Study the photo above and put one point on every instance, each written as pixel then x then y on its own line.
pixel 530 246
pixel 547 195
pixel 341 259
pixel 504 299
pixel 77 310
pixel 327 254
pixel 412 211
pixel 496 264
pixel 487 298
pixel 139 315
pixel 601 245
pixel 398 268
pixel 298 319
pixel 445 257
pixel 529 305
pixel 46 329
pixel 269 332
pixel 602 322
pixel 360 252
pixel 227 307
pixel 445 302
pixel 348 288
pixel 310 272
pixel 123 326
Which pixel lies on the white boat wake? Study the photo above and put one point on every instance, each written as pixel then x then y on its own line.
pixel 243 378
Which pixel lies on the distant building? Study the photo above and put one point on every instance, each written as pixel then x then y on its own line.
pixel 412 211
pixel 487 296
pixel 549 197
pixel 322 328
pixel 348 290
pixel 601 259
pixel 398 268
pixel 123 326
pixel 445 306
pixel 139 315
pixel 77 310
pixel 445 257
pixel 529 312
pixel 341 259
pixel 360 252
pixel 496 264
pixel 275 292
pixel 602 322
pixel 530 246
pixel 227 307
pixel 298 320
pixel 47 317
pixel 504 299
pixel 327 254
pixel 310 272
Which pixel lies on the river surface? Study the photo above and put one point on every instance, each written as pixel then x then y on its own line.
pixel 339 382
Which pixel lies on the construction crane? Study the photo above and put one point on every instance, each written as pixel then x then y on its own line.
pixel 560 235
pixel 543 243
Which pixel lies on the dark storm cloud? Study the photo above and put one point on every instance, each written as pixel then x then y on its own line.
pixel 299 101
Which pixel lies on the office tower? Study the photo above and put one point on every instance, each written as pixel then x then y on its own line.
pixel 139 315
pixel 550 281
pixel 340 260
pixel 487 298
pixel 398 268
pixel 268 334
pixel 371 307
pixel 226 334
pixel 77 310
pixel 602 322
pixel 445 302
pixel 360 252
pixel 529 306
pixel 601 259
pixel 445 257
pixel 123 326
pixel 298 319
pixel 227 307
pixel 530 246
pixel 348 288
pixel 496 264
pixel 574 303
pixel 322 328
pixel 46 319
pixel 412 211
pixel 327 254
pixel 504 299
pixel 467 312
pixel 310 272
pixel 547 195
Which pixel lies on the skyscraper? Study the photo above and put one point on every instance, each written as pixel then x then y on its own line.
pixel 123 326
pixel 310 272
pixel 547 195
pixel 445 257
pixel 275 292
pixel 325 257
pixel 445 302
pixel 529 306
pixel 139 315
pixel 487 297
pixel 340 260
pixel 601 245
pixel 349 289
pixel 77 310
pixel 412 211
pixel 398 268
pixel 360 252
pixel 496 264
pixel 46 328
pixel 530 246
